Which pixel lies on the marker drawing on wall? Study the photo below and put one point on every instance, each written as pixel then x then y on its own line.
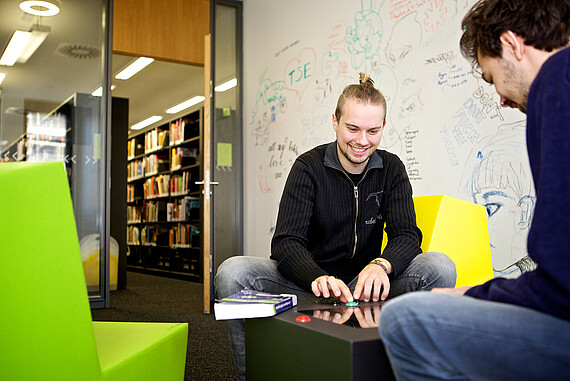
pixel 497 176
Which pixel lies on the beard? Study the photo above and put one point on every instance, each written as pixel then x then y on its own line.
pixel 519 84
pixel 346 152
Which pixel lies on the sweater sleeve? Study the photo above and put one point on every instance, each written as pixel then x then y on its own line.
pixel 404 237
pixel 289 243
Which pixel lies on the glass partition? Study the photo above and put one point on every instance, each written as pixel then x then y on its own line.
pixel 227 168
pixel 50 109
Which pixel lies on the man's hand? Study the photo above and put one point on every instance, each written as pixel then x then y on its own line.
pixel 371 280
pixel 325 284
pixel 454 291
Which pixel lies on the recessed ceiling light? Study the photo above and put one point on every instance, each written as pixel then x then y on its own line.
pixel 226 85
pixel 134 68
pixel 99 91
pixel 40 8
pixel 146 122
pixel 186 104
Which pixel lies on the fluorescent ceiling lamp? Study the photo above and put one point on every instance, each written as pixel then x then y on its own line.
pixel 40 8
pixel 186 104
pixel 99 91
pixel 15 47
pixel 134 68
pixel 2 76
pixel 39 34
pixel 226 85
pixel 23 44
pixel 146 122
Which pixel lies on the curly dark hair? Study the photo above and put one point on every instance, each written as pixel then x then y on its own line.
pixel 543 24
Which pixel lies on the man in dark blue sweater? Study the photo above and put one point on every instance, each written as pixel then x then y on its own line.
pixel 328 240
pixel 519 328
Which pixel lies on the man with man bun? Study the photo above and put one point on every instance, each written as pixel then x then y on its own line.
pixel 337 199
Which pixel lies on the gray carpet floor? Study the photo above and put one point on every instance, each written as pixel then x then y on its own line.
pixel 149 298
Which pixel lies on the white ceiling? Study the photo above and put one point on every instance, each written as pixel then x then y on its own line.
pixel 52 75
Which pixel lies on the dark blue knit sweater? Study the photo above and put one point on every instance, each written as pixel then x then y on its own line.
pixel 547 288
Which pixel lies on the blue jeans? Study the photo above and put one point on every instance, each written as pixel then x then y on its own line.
pixel 426 271
pixel 431 336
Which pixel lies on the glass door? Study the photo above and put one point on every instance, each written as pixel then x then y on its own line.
pixel 225 170
pixel 52 109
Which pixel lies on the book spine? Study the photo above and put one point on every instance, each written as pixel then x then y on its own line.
pixel 284 305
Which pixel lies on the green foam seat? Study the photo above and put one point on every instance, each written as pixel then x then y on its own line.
pixel 46 328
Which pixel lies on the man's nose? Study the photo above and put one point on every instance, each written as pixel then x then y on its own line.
pixel 362 138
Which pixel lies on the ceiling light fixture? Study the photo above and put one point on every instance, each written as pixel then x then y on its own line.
pixel 134 68
pixel 146 122
pixel 40 8
pixel 23 44
pixel 186 104
pixel 99 91
pixel 15 47
pixel 226 85
pixel 39 34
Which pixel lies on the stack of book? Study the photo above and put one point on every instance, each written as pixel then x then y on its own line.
pixel 253 304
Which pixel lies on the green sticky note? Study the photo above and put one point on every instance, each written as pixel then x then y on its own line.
pixel 226 111
pixel 224 155
pixel 97 146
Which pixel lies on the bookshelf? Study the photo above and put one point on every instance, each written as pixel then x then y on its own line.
pixel 163 202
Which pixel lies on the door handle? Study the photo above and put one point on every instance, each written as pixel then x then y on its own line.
pixel 207 192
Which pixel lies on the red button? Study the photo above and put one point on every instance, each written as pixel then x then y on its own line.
pixel 303 319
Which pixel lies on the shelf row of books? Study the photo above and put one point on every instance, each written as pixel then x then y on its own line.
pixel 135 170
pixel 155 163
pixel 179 236
pixel 180 184
pixel 184 235
pixel 143 236
pixel 134 214
pixel 185 209
pixel 155 140
pixel 182 156
pixel 134 148
pixel 157 186
pixel 153 211
pixel 182 130
pixel 132 193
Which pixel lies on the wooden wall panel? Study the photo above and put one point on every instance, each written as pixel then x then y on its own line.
pixel 170 30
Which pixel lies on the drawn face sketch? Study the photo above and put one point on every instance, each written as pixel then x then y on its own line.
pixel 497 176
pixel 404 42
pixel 365 38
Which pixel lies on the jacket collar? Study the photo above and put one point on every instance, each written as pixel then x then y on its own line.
pixel 331 159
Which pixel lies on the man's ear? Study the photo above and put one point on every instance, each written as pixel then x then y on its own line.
pixel 526 205
pixel 335 122
pixel 513 43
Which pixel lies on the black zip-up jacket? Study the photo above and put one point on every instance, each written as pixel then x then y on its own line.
pixel 329 225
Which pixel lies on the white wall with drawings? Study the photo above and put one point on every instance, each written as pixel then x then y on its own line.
pixel 444 122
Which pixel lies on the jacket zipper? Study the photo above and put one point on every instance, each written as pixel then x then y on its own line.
pixel 356 201
pixel 355 220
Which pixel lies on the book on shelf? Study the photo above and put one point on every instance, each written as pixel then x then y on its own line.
pixel 252 304
pixel 155 139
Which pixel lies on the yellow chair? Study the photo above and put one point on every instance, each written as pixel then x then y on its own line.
pixel 458 229
pixel 46 329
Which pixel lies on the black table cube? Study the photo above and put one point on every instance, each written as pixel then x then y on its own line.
pixel 284 348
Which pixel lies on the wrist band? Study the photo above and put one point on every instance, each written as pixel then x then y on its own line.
pixel 379 262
